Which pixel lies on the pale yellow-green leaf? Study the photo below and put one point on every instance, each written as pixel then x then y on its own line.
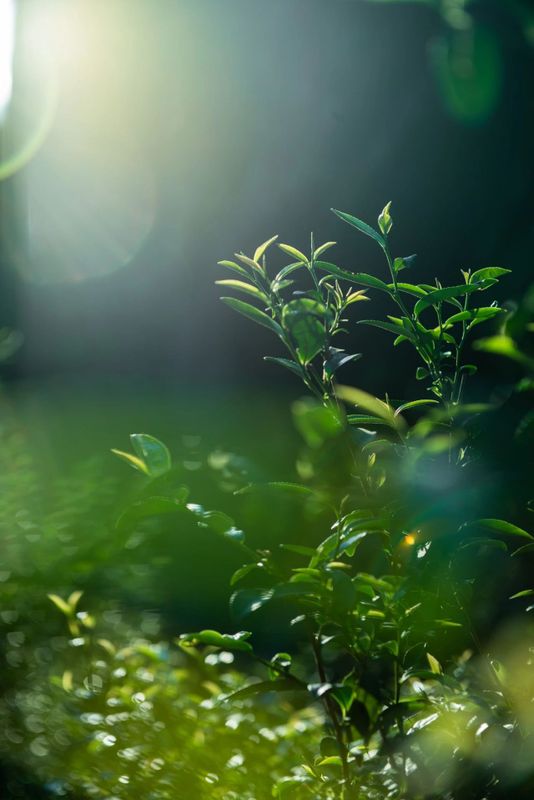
pixel 259 252
pixel 355 297
pixel 133 461
pixel 66 681
pixel 292 251
pixel 323 248
pixel 434 664
pixel 74 599
pixel 249 261
pixel 59 603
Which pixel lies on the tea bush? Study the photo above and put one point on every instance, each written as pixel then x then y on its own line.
pixel 389 646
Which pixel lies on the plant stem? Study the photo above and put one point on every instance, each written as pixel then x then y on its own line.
pixel 331 710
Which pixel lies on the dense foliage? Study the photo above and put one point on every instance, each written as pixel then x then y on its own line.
pixel 389 646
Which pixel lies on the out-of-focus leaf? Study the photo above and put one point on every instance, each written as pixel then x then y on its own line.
pixel 261 687
pixel 414 404
pixel 370 403
pixel 133 461
pixel 153 453
pixel 469 69
pixel 435 666
pixel 503 346
pixel 151 507
pixel 316 423
pixel 224 641
pixel 500 526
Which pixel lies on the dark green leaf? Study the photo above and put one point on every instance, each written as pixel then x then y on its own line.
pixel 305 321
pixel 361 226
pixel 392 327
pixel 336 359
pixel 439 295
pixel 354 277
pixel 292 366
pixel 501 526
pixel 254 314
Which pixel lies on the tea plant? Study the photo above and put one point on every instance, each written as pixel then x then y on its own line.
pixel 405 669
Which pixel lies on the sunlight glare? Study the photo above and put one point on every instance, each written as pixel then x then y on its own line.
pixel 7 46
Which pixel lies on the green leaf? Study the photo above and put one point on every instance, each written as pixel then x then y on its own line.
pixel 316 423
pixel 414 404
pixel 224 641
pixel 242 572
pixel 404 263
pixel 261 687
pixel 234 267
pixel 385 223
pixel 361 226
pixel 476 315
pixel 435 666
pixel 246 601
pixel 246 288
pixel 421 373
pixel 391 327
pixel 369 403
pixel 331 761
pixel 287 363
pixel 354 277
pixel 365 419
pixel 253 313
pixel 259 252
pixel 524 593
pixel 152 452
pixel 249 262
pixel 151 507
pixel 501 526
pixel 320 250
pixel 409 288
pixel 60 604
pixel 503 346
pixel 287 270
pixel 305 321
pixel 337 359
pixel 488 273
pixel 133 461
pixel 293 252
pixel 439 295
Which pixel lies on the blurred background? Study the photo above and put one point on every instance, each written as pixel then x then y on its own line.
pixel 142 142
